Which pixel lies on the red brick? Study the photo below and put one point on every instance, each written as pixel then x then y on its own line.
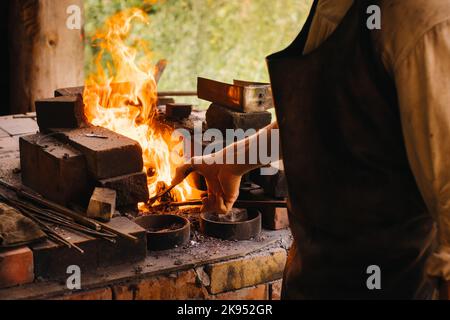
pixel 180 286
pixel 275 290
pixel 99 294
pixel 16 267
pixel 253 293
pixel 275 218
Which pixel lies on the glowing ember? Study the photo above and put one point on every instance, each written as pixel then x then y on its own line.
pixel 122 97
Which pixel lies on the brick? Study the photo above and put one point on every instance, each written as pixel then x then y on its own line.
pixel 219 117
pixel 275 290
pixel 178 110
pixel 124 292
pixel 60 112
pixel 51 260
pixel 72 91
pixel 259 292
pixel 102 205
pixel 273 185
pixel 246 272
pixel 4 134
pixel 181 286
pixel 108 157
pixel 99 294
pixel 55 170
pixel 16 267
pixel 131 189
pixel 124 250
pixel 18 126
pixel 9 147
pixel 275 218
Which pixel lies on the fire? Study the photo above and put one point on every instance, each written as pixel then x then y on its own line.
pixel 122 97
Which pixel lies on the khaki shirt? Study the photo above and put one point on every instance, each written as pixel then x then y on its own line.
pixel 414 44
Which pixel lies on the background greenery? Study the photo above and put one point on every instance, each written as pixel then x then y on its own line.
pixel 218 39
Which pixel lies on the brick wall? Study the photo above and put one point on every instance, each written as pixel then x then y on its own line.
pixel 254 277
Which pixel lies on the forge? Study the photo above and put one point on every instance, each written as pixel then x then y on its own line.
pixel 128 268
pixel 84 167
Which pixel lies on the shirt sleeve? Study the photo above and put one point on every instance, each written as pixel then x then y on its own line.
pixel 423 85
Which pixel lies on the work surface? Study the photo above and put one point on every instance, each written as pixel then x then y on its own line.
pixel 199 252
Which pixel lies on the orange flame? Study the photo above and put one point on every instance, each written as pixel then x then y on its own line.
pixel 122 97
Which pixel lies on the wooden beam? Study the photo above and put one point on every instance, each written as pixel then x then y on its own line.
pixel 45 53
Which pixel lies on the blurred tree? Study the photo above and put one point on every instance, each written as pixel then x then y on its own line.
pixel 219 39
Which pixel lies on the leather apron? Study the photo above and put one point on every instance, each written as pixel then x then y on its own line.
pixel 353 200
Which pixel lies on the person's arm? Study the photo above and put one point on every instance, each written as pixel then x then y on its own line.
pixel 423 85
pixel 224 178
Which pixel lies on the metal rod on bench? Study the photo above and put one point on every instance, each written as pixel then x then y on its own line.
pixel 98 226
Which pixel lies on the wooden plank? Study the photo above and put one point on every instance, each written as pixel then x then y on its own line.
pixel 44 52
pixel 221 93
pixel 241 96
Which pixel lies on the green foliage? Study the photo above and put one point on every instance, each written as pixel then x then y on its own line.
pixel 218 39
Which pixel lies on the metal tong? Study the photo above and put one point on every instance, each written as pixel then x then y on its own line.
pixel 164 192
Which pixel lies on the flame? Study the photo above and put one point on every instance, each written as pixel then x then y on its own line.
pixel 122 96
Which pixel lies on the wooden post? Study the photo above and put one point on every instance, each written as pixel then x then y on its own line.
pixel 44 53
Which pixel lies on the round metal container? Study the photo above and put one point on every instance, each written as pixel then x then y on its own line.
pixel 165 231
pixel 239 230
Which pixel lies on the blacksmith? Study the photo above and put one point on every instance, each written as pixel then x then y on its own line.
pixel 364 119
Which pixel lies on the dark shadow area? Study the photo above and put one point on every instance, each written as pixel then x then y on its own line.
pixel 4 62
